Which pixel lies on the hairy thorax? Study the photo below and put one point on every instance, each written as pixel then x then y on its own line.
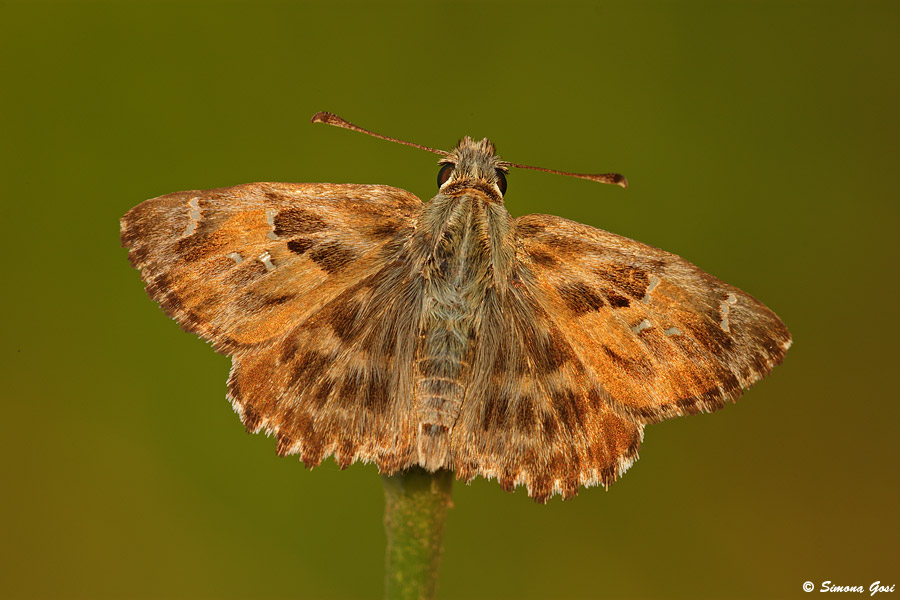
pixel 470 250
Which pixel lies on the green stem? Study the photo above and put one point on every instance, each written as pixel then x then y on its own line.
pixel 415 508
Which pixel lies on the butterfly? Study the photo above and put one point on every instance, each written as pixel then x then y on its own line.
pixel 367 325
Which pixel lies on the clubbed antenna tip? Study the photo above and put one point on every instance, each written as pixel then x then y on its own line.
pixel 613 178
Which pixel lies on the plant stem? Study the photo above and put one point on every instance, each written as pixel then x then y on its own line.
pixel 415 508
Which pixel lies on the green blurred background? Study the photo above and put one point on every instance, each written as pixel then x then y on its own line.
pixel 761 143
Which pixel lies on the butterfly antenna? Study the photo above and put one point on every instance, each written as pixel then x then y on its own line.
pixel 613 178
pixel 332 119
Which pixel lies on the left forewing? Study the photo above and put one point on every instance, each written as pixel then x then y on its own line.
pixel 241 266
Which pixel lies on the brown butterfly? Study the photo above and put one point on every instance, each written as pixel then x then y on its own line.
pixel 368 325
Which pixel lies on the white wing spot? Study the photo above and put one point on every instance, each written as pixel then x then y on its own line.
pixel 645 324
pixel 724 307
pixel 270 219
pixel 195 216
pixel 672 331
pixel 237 258
pixel 266 259
pixel 654 281
pixel 195 208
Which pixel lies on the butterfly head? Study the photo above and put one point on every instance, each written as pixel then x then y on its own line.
pixel 473 165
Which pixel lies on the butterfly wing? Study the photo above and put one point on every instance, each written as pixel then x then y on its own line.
pixel 239 266
pixel 593 336
pixel 534 414
pixel 661 337
pixel 285 278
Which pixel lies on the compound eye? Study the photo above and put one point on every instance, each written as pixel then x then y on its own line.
pixel 444 174
pixel 501 182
